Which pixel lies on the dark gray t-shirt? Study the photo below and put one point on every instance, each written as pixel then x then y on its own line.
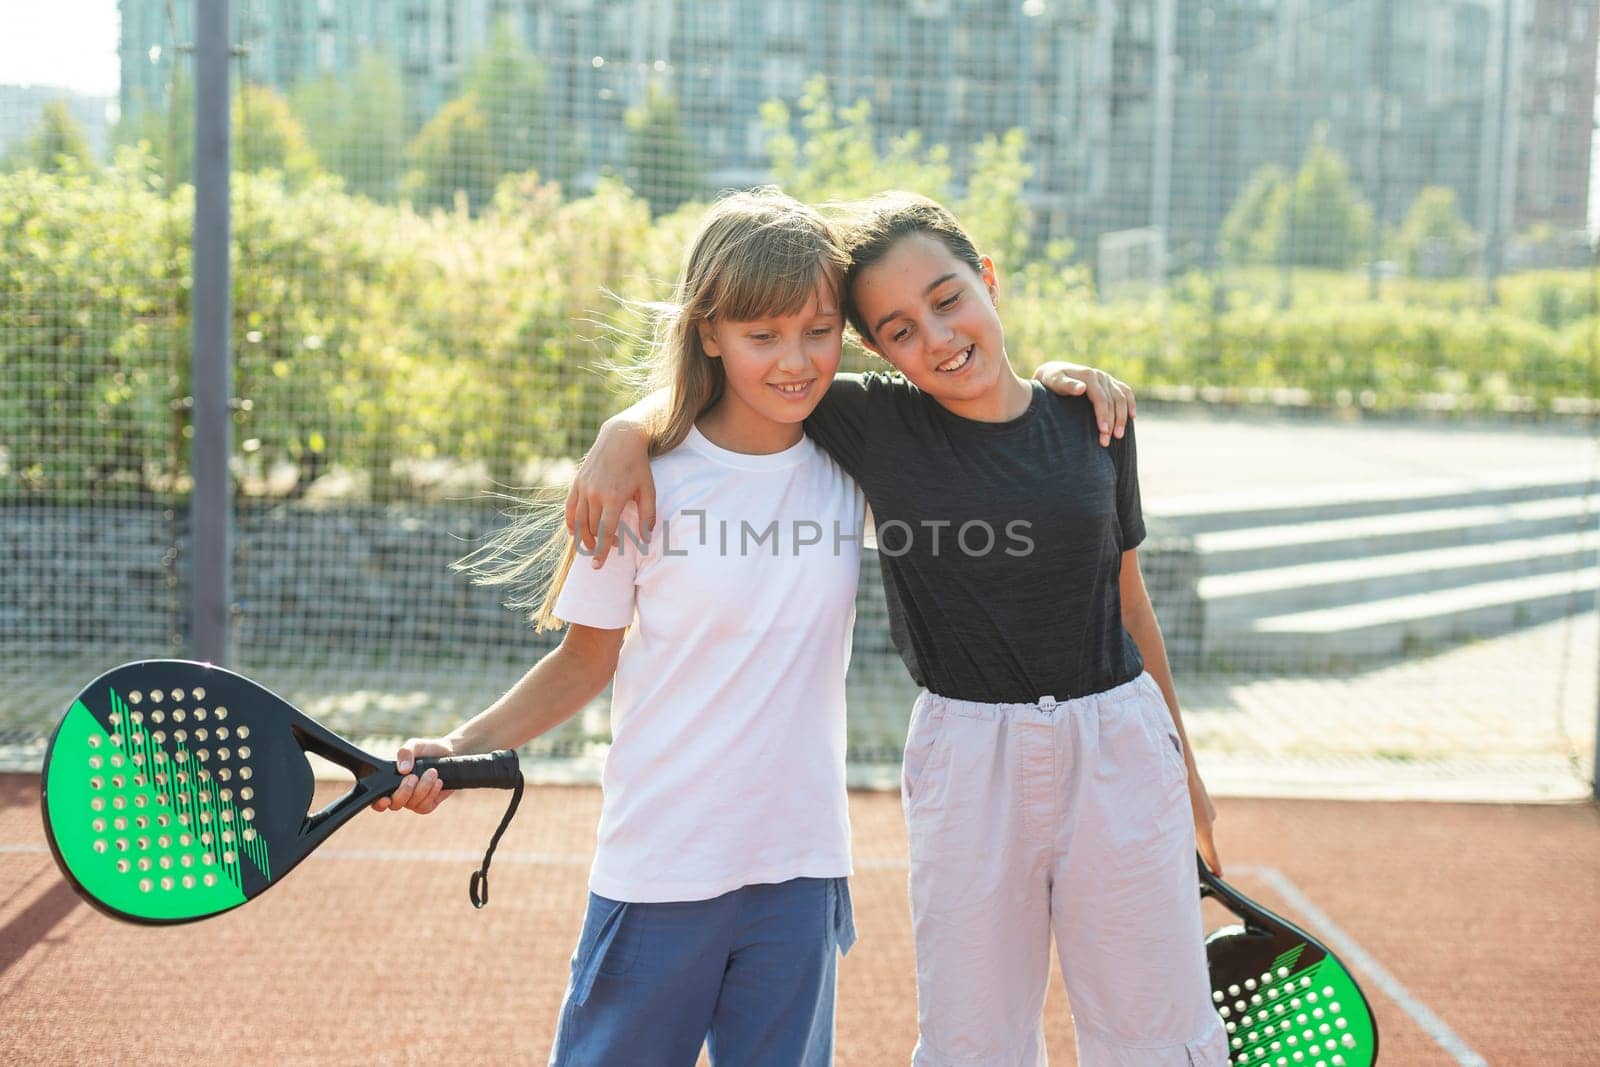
pixel 1001 543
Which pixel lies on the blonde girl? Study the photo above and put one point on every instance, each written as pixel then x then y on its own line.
pixel 718 898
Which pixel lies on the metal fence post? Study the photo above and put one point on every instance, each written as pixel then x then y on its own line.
pixel 211 503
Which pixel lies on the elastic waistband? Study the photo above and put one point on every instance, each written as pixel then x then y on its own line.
pixel 1142 686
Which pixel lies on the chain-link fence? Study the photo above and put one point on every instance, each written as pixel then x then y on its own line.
pixel 1342 248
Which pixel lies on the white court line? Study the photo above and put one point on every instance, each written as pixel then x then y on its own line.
pixel 1361 960
pixel 1342 943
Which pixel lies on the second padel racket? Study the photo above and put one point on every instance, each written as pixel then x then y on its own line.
pixel 1285 999
pixel 173 791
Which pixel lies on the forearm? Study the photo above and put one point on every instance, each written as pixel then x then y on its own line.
pixel 643 417
pixel 553 691
pixel 1139 619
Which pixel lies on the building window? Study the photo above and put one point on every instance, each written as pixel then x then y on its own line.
pixel 787 20
pixel 782 76
pixel 1139 22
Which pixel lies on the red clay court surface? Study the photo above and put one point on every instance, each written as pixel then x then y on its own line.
pixel 1475 931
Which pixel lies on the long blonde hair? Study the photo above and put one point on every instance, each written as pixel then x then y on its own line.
pixel 757 254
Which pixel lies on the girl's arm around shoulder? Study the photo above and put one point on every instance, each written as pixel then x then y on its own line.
pixel 558 686
pixel 1112 398
pixel 615 471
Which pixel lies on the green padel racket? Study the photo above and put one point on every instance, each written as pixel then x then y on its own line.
pixel 173 791
pixel 1285 999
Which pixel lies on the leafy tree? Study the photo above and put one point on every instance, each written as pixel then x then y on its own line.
pixel 995 212
pixel 1330 223
pixel 356 125
pixel 452 154
pixel 57 143
pixel 1253 232
pixel 662 163
pixel 495 128
pixel 508 83
pixel 267 136
pixel 1434 240
pixel 838 158
pixel 162 131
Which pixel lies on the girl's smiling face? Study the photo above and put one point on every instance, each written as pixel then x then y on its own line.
pixel 777 369
pixel 935 320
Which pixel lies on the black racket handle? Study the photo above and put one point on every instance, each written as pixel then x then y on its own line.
pixel 492 770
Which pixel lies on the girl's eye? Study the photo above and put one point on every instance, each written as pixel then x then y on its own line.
pixel 900 334
pixel 949 300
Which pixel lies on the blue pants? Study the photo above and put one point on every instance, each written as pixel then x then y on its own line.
pixel 749 974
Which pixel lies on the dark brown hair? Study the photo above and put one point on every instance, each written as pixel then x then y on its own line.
pixel 874 226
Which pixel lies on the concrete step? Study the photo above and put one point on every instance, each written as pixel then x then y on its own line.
pixel 1246 595
pixel 1398 531
pixel 1393 627
pixel 1280 506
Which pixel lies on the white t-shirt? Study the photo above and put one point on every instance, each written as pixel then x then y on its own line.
pixel 727 761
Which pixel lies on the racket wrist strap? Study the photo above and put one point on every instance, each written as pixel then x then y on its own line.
pixel 478 889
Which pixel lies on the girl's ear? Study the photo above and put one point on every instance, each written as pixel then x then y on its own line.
pixel 708 339
pixel 991 279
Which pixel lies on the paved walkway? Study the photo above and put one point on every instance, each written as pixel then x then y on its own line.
pixel 1187 456
pixel 1508 717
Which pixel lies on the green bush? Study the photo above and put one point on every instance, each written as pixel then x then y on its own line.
pixel 1383 356
pixel 364 334
pixel 91 333
pixel 372 339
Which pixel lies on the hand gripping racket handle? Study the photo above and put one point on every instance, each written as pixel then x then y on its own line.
pixel 492 770
pixel 1212 886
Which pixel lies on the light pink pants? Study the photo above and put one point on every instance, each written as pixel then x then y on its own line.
pixel 1069 819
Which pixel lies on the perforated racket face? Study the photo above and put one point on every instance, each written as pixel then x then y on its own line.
pixel 172 790
pixel 1286 1002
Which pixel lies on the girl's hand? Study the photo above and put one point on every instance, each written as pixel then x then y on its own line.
pixel 616 470
pixel 423 794
pixel 1205 814
pixel 1112 398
